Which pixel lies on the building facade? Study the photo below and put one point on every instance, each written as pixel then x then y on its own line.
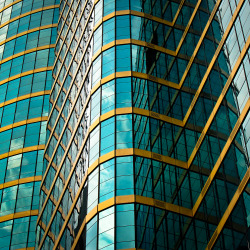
pixel 148 129
pixel 28 31
pixel 147 139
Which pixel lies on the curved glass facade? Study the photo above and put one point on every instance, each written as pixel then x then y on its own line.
pixel 147 138
pixel 28 31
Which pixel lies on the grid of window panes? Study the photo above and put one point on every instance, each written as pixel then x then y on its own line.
pixel 241 88
pixel 73 56
pixel 27 37
pixel 79 133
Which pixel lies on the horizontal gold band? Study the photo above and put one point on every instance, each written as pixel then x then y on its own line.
pixel 106 116
pixel 25 74
pixel 135 42
pixel 163 205
pixel 22 150
pixel 50 46
pixel 129 199
pixel 134 13
pixel 20 181
pixel 9 5
pixel 18 215
pixel 126 111
pixel 177 13
pixel 18 124
pixel 28 32
pixel 79 63
pixel 23 97
pixel 29 13
pixel 107 79
pixel 28 248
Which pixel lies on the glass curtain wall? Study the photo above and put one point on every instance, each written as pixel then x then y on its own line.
pixel 145 146
pixel 28 31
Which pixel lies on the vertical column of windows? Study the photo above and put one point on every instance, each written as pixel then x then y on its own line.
pixel 28 35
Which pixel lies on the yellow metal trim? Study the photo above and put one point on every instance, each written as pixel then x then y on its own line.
pixel 175 18
pixel 203 36
pixel 223 93
pixel 104 117
pixel 21 150
pixel 180 6
pixel 61 12
pixel 122 111
pixel 28 248
pixel 218 103
pixel 69 44
pixel 218 50
pixel 17 124
pixel 50 46
pixel 136 42
pixel 124 200
pixel 222 156
pixel 18 215
pixel 134 13
pixel 229 209
pixel 140 14
pixel 20 98
pixel 20 181
pixel 205 130
pixel 29 13
pixel 197 48
pixel 25 74
pixel 102 159
pixel 9 5
pixel 188 26
pixel 144 112
pixel 103 81
pixel 140 153
pixel 28 32
pixel 65 19
pixel 177 13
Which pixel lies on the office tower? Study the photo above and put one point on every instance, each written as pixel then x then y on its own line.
pixel 147 132
pixel 28 31
pixel 147 136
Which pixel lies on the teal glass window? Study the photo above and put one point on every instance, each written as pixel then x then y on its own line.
pixel 123 27
pixel 123 93
pixel 108 6
pixel 122 5
pixel 123 59
pixel 106 228
pixel 22 110
pixel 108 63
pixel 107 181
pixel 124 176
pixel 124 138
pixel 109 31
pixel 107 136
pixel 91 234
pixel 108 97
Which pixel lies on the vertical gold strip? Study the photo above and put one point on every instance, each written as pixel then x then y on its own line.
pixel 222 156
pixel 229 209
pixel 219 101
